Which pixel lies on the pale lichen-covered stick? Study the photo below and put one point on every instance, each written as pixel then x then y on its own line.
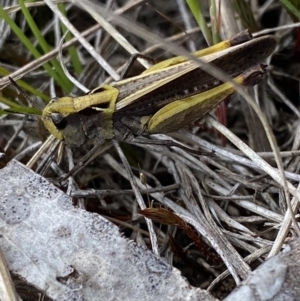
pixel 277 279
pixel 71 254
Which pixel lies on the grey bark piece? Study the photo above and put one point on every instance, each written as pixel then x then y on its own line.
pixel 277 279
pixel 71 254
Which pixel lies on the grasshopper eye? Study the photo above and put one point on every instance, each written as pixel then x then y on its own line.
pixel 59 120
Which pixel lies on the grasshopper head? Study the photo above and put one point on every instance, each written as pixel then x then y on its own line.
pixel 56 117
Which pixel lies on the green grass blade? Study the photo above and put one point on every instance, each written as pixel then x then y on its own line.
pixel 63 80
pixel 26 87
pixel 16 108
pixel 18 32
pixel 292 6
pixel 244 11
pixel 215 24
pixel 196 11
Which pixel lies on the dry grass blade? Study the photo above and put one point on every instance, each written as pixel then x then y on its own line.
pixel 87 46
pixel 7 288
pixel 138 196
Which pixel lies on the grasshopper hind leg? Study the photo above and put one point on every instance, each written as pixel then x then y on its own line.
pixel 169 143
pixel 131 130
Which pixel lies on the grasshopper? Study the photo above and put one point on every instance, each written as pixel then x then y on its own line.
pixel 163 99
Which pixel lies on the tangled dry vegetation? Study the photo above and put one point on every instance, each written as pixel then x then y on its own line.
pixel 215 216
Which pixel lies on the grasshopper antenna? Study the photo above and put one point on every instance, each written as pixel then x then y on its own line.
pixel 26 96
